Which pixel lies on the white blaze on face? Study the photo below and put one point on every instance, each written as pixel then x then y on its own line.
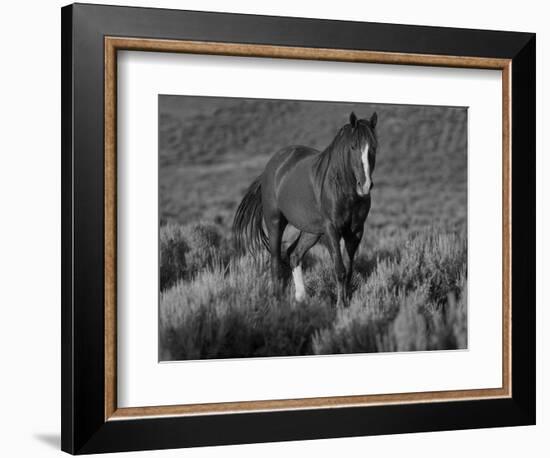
pixel 300 293
pixel 366 168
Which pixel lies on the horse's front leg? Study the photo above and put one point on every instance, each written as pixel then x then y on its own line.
pixel 334 237
pixel 352 241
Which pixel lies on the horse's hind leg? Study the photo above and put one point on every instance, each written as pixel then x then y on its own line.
pixel 276 224
pixel 296 254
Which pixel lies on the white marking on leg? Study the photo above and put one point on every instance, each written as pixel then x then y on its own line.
pixel 300 293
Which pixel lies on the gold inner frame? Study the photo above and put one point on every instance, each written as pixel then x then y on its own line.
pixel 114 44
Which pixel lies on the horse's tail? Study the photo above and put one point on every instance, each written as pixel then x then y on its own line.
pixel 248 227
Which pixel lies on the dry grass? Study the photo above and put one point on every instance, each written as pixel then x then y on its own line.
pixel 227 308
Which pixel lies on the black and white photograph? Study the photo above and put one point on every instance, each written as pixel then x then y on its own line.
pixel 275 229
pixel 294 228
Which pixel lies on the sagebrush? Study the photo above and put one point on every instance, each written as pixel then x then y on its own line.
pixel 224 306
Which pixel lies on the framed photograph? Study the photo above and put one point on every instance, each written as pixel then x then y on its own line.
pixel 281 228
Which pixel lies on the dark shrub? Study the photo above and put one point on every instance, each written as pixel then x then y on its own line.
pixel 186 250
pixel 173 248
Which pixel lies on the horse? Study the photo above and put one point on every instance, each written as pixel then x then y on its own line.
pixel 322 194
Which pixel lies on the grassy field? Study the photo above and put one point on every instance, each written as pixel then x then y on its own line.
pixel 411 269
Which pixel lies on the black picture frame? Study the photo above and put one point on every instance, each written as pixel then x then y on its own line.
pixel 84 428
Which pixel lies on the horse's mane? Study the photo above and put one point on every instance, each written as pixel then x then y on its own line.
pixel 334 167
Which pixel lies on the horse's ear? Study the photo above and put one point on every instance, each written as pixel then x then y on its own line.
pixel 373 120
pixel 353 119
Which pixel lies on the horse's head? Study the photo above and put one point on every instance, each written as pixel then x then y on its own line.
pixel 363 151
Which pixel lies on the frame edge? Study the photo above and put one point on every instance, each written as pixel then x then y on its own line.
pixel 118 436
pixel 523 81
pixel 67 369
